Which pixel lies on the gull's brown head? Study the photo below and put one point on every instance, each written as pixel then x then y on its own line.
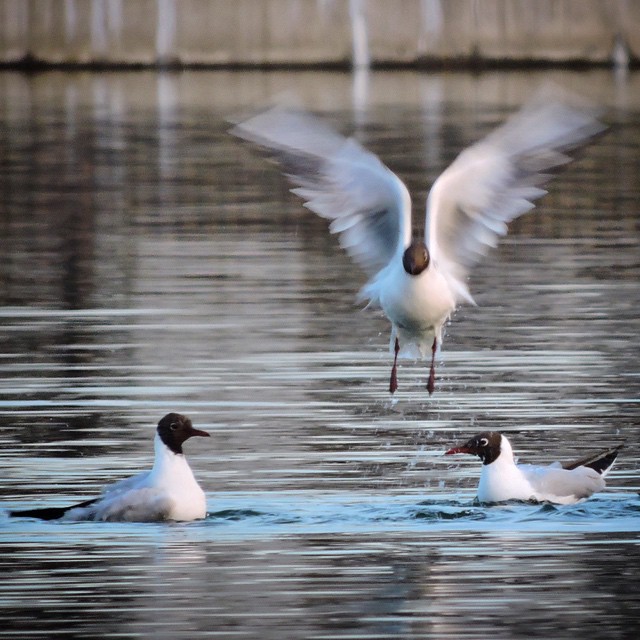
pixel 174 429
pixel 485 445
pixel 415 258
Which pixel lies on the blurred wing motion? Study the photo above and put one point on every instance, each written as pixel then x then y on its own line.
pixel 496 180
pixel 368 205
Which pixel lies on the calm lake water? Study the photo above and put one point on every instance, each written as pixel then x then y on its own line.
pixel 152 263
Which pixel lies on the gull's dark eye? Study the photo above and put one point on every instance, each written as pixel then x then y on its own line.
pixel 483 442
pixel 174 426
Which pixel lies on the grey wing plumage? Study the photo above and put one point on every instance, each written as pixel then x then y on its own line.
pixel 87 509
pixel 496 180
pixel 556 484
pixel 136 505
pixel 145 504
pixel 368 205
pixel 126 484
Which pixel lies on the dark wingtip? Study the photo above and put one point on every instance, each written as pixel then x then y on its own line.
pixel 606 459
pixel 46 513
pixel 599 462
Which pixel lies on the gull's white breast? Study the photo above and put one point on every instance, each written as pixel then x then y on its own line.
pixel 417 306
pixel 502 480
pixel 173 477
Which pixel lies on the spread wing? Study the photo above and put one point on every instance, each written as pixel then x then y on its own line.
pixel 368 205
pixel 497 180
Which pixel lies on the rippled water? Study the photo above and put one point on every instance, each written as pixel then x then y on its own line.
pixel 153 264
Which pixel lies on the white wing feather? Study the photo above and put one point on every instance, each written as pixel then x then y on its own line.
pixel 497 180
pixel 368 205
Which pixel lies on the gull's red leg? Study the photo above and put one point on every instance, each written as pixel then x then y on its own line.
pixel 393 382
pixel 431 384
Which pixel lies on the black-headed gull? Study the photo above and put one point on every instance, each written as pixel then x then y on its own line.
pixel 168 491
pixel 561 483
pixel 419 282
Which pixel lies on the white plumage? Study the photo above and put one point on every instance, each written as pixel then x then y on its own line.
pixel 502 479
pixel 168 491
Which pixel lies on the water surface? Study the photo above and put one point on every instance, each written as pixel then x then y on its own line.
pixel 151 263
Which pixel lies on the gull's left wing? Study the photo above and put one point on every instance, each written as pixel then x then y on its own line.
pixel 368 205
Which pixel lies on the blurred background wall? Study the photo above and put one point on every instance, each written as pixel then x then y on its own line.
pixel 319 32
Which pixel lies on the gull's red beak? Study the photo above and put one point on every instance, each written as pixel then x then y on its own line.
pixel 462 449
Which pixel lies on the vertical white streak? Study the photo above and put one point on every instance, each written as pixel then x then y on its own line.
pixel 432 101
pixel 167 97
pixel 360 91
pixel 432 15
pixel 167 101
pixel 166 30
pixel 620 58
pixel 114 20
pixel 620 54
pixel 70 21
pixel 14 29
pixel 359 37
pixel 432 23
pixel 99 41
